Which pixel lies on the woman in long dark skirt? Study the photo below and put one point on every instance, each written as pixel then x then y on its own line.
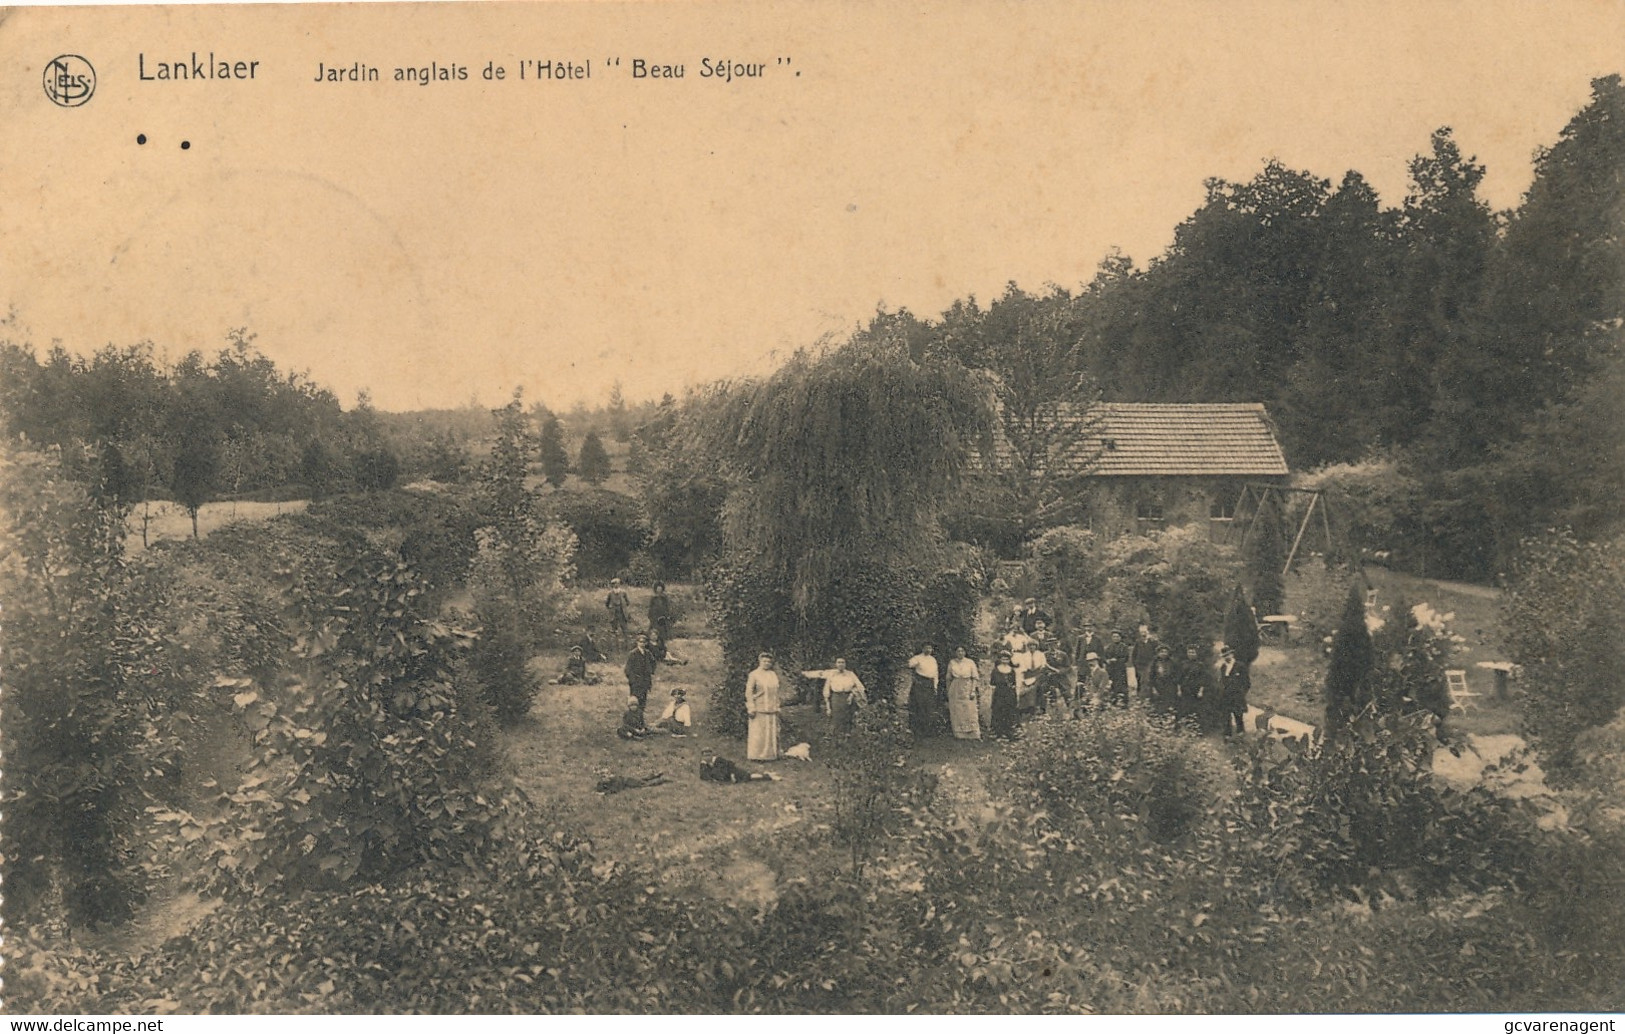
pixel 1003 680
pixel 922 692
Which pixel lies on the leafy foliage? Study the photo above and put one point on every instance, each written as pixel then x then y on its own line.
pixel 366 763
pixel 609 528
pixel 876 782
pixel 1179 582
pixel 1266 558
pixel 1360 810
pixel 1564 622
pixel 1241 628
pixel 555 460
pixel 1118 772
pixel 99 681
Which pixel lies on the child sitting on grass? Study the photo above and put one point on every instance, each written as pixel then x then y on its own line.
pixel 632 725
pixel 575 670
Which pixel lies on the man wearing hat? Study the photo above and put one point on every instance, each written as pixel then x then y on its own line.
pixel 1141 654
pixel 1192 675
pixel 1031 616
pixel 640 669
pixel 1233 682
pixel 1089 641
pixel 619 606
pixel 1162 681
pixel 1116 656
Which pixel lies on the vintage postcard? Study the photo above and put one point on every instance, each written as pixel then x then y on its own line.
pixel 813 507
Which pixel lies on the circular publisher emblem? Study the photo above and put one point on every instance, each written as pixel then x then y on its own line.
pixel 69 80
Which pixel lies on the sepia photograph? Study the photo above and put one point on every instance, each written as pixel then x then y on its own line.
pixel 800 508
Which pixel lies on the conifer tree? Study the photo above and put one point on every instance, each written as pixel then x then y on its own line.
pixel 593 463
pixel 1348 677
pixel 555 461
pixel 1266 555
pixel 1241 628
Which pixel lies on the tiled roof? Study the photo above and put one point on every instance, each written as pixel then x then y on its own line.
pixel 1175 439
pixel 1150 438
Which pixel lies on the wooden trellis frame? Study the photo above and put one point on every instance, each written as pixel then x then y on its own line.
pixel 1260 492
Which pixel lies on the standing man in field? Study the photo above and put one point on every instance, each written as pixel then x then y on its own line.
pixel 640 670
pixel 1233 681
pixel 620 610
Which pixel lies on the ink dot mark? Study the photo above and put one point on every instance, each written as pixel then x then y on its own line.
pixel 140 138
pixel 186 145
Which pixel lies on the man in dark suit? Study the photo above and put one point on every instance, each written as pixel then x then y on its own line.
pixel 1193 686
pixel 1089 641
pixel 1116 658
pixel 640 670
pixel 1232 680
pixel 1141 654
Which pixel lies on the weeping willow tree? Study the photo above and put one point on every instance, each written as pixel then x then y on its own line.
pixel 840 465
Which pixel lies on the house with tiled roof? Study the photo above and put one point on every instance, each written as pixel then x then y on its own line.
pixel 1150 465
pixel 1164 464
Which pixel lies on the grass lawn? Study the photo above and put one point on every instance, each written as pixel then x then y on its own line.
pixel 709 836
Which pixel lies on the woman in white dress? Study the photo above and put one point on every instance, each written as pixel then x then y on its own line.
pixel 964 698
pixel 762 704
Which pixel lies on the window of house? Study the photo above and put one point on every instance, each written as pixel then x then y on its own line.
pixel 1222 504
pixel 1148 508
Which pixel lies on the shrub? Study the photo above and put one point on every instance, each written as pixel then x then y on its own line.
pixel 1179 582
pixel 1068 563
pixel 609 528
pixel 948 603
pixel 1266 555
pixel 100 677
pixel 1348 676
pixel 868 614
pixel 1241 628
pixel 641 570
pixel 1317 590
pixel 376 470
pixel 1378 506
pixel 593 462
pixel 1411 650
pixel 875 782
pixel 368 766
pixel 520 569
pixel 1116 771
pixel 1363 812
pixel 1563 619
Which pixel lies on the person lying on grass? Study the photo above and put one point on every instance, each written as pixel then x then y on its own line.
pixel 718 769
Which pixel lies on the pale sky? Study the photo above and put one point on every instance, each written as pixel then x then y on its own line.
pixel 437 242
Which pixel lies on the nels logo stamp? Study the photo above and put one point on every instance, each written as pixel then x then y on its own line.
pixel 69 80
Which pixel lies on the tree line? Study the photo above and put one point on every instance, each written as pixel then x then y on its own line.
pixel 232 424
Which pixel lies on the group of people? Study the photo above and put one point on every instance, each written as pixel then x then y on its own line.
pixel 649 650
pixel 1209 689
pixel 1032 671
